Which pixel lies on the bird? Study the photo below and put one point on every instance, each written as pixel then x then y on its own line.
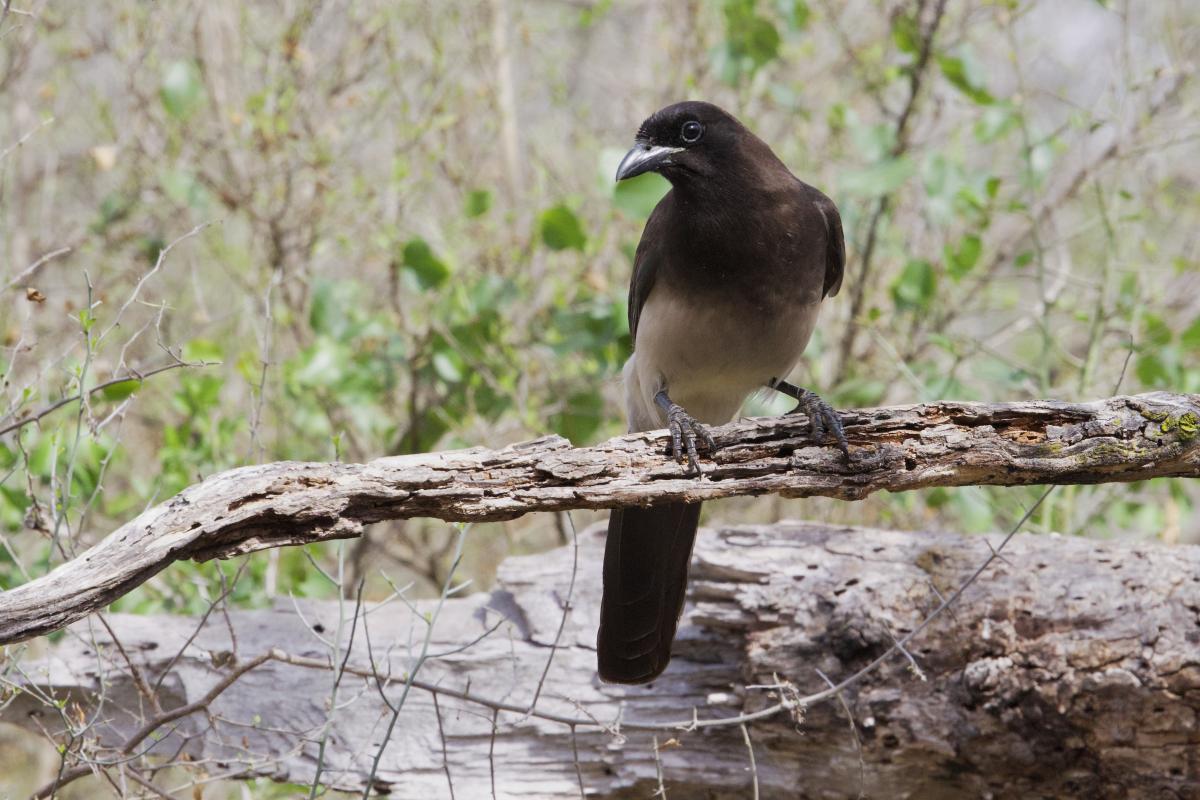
pixel 728 278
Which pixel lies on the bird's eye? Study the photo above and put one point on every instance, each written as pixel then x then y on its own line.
pixel 691 131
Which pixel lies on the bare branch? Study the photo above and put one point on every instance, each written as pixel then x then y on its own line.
pixel 6 151
pixel 138 376
pixel 32 268
pixel 894 449
pixel 140 735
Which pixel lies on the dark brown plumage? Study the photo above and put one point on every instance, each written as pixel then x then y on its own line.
pixel 727 279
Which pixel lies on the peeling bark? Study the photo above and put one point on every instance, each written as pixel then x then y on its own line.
pixel 1072 669
pixel 895 449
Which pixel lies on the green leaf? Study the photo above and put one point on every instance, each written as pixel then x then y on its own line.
pixel 324 364
pixel 859 392
pixel 561 229
pixel 995 122
pixel 1191 336
pixel 937 497
pixel 479 202
pixel 182 90
pixel 151 247
pixel 876 142
pixel 751 40
pixel 326 315
pixel 638 196
pixel 916 286
pixel 182 187
pixel 419 259
pixel 448 366
pixel 879 179
pixel 1151 371
pixel 117 392
pixel 113 208
pixel 799 16
pixel 906 35
pixel 962 259
pixel 202 350
pixel 964 76
pixel 1157 332
pixel 580 418
pixel 591 14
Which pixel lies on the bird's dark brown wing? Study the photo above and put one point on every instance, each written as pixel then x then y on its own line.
pixel 646 261
pixel 835 247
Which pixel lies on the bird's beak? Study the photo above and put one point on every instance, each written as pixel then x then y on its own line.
pixel 644 157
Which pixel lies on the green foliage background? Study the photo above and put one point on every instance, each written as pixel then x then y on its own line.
pixel 412 242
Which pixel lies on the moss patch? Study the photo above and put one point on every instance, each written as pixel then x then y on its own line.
pixel 1187 425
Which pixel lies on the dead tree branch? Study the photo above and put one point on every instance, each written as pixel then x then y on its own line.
pixel 894 449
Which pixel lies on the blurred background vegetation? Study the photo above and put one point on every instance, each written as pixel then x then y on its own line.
pixel 393 229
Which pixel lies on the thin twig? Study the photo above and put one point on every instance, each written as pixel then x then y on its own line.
pixel 410 678
pixel 338 674
pixel 138 779
pixel 199 626
pixel 562 622
pixel 492 752
pixel 139 680
pixel 912 662
pixel 137 288
pixel 69 776
pixel 862 283
pixel 437 710
pixel 138 376
pixel 661 791
pixel 25 273
pixel 575 759
pixel 753 764
pixel 862 762
pixel 4 153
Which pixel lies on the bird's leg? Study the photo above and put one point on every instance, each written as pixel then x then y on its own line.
pixel 685 430
pixel 821 415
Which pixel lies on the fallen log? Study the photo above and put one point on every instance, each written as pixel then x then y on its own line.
pixel 1072 669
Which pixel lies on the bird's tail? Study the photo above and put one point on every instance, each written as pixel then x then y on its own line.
pixel 645 576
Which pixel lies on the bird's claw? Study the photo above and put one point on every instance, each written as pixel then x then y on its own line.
pixel 685 430
pixel 823 419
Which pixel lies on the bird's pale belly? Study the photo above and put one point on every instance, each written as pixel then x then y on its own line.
pixel 707 358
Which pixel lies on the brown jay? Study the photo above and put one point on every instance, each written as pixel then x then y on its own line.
pixel 727 282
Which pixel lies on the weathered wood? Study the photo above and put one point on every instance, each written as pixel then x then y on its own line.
pixel 1072 669
pixel 894 449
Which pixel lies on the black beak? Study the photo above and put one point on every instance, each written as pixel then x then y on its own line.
pixel 645 157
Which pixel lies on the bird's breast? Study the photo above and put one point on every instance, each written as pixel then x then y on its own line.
pixel 711 350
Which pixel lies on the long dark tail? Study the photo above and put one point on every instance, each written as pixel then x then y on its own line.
pixel 645 576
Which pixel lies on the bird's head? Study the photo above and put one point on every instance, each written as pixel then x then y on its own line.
pixel 682 142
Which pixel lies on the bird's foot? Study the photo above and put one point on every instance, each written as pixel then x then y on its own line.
pixel 822 419
pixel 685 432
pixel 821 416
